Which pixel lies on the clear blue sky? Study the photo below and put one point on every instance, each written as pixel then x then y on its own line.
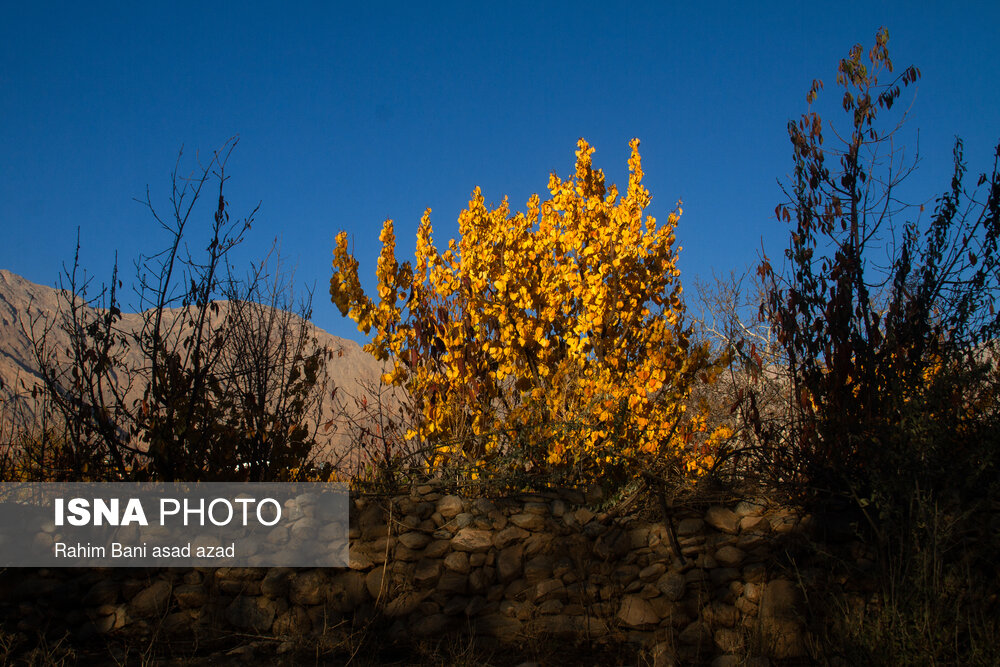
pixel 352 113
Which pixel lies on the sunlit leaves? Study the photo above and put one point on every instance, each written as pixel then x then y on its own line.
pixel 554 337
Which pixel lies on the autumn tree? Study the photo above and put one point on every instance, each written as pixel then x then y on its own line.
pixel 884 318
pixel 547 341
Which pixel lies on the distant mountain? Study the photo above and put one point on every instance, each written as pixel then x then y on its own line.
pixel 350 369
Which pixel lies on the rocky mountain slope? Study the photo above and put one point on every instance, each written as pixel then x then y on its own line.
pixel 22 302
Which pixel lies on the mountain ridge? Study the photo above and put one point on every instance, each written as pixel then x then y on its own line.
pixel 23 302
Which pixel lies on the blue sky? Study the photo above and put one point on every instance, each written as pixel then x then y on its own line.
pixel 349 114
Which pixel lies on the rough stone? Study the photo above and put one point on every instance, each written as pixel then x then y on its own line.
pixel 457 561
pixel 404 604
pixel 729 556
pixel 755 523
pixel 780 620
pixel 377 581
pixel 413 540
pixel 371 522
pixel 294 621
pixel 652 572
pixel 508 536
pixel 559 626
pixel 527 521
pixel 722 519
pixel 359 559
pixel 503 628
pixel 753 592
pixel 308 588
pixel 479 579
pixel 548 589
pixel 538 568
pixel 151 601
pixel 747 508
pixel 720 615
pixel 672 585
pixel 754 573
pixel 355 591
pixel 536 508
pixel 663 654
pixel 449 506
pixel 190 596
pixel 471 539
pixel 723 575
pixel 636 612
pixel 510 563
pixel 251 614
pixel 426 572
pixel 475 606
pixel 780 600
pixel 690 526
pixel 639 537
pixel 103 592
pixel 453 582
pixel 728 641
pixel 177 623
pixel 437 548
pixel 696 634
pixel 430 626
pixel 275 583
pixel 612 545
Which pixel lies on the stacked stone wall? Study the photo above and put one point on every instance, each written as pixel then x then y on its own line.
pixel 428 563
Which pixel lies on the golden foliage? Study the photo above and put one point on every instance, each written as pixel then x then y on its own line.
pixel 553 338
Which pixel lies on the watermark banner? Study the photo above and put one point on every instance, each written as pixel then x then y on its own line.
pixel 174 524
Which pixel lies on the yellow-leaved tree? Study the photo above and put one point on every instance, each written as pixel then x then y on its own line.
pixel 552 341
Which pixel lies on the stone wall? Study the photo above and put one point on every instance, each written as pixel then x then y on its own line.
pixel 428 563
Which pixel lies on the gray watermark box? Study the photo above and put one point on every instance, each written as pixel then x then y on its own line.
pixel 174 525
